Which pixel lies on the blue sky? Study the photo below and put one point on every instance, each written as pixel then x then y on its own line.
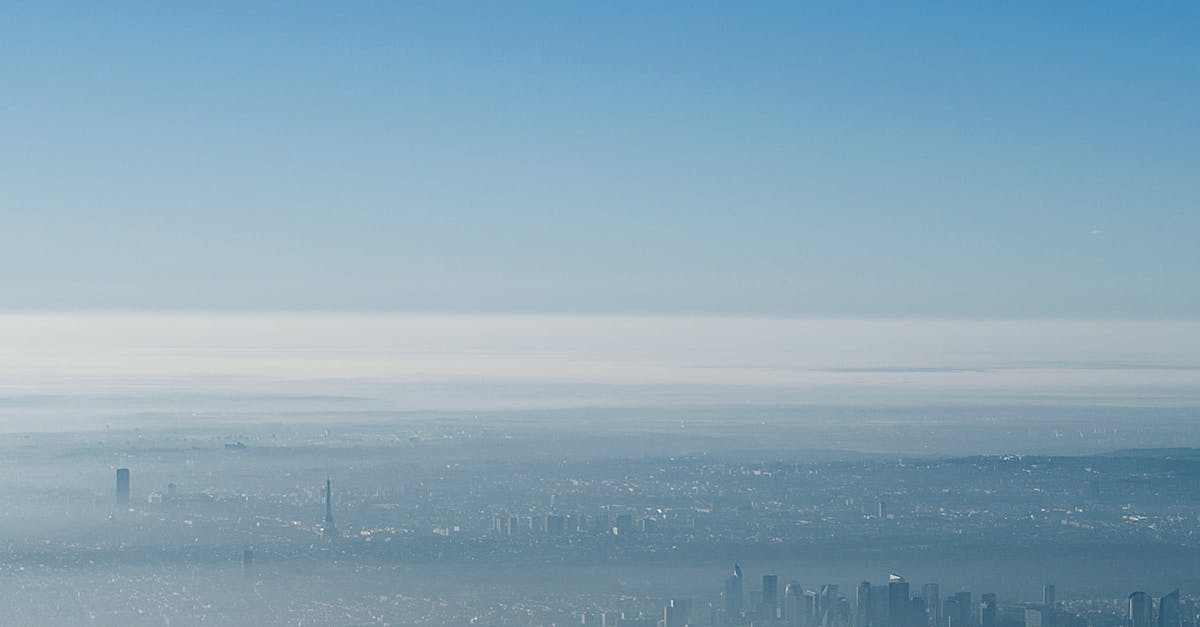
pixel 899 159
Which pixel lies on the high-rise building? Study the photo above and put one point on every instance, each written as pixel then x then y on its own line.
pixel 829 605
pixel 793 604
pixel 328 528
pixel 899 605
pixel 733 595
pixel 879 607
pixel 677 613
pixel 1169 612
pixel 916 612
pixel 989 610
pixel 812 608
pixel 963 602
pixel 123 486
pixel 950 614
pixel 247 562
pixel 1048 596
pixel 1140 609
pixel 1033 617
pixel 933 603
pixel 770 597
pixel 862 605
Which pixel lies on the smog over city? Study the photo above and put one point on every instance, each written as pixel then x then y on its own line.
pixel 663 314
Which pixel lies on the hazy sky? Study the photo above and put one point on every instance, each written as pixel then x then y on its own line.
pixel 84 369
pixel 946 159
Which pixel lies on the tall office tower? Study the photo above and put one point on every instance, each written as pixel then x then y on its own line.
pixel 793 604
pixel 862 605
pixel 1169 612
pixel 677 613
pixel 812 608
pixel 899 605
pixel 328 528
pixel 879 607
pixel 247 561
pixel 829 605
pixel 1139 609
pixel 964 607
pixel 770 597
pixel 123 486
pixel 882 509
pixel 933 602
pixel 733 595
pixel 917 613
pixel 1048 614
pixel 989 611
pixel 951 617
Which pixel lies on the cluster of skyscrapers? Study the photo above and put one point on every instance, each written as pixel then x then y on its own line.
pixel 894 604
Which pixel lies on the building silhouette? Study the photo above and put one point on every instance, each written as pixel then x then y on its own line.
pixel 899 604
pixel 989 610
pixel 770 597
pixel 247 562
pixel 1140 609
pixel 123 486
pixel 733 595
pixel 1169 612
pixel 677 613
pixel 933 602
pixel 328 528
pixel 862 605
pixel 793 604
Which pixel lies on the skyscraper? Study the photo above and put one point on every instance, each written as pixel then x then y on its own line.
pixel 328 528
pixel 950 614
pixel 862 605
pixel 247 561
pixel 989 612
pixel 677 613
pixel 933 602
pixel 1169 612
pixel 793 604
pixel 1048 614
pixel 879 607
pixel 963 602
pixel 899 605
pixel 829 605
pixel 123 486
pixel 770 596
pixel 1140 609
pixel 733 595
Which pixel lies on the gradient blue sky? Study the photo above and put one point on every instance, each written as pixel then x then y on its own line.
pixel 930 159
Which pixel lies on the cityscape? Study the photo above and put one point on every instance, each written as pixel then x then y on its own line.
pixel 451 521
pixel 663 313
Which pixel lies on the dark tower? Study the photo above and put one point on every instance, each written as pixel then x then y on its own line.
pixel 123 486
pixel 247 561
pixel 1169 612
pixel 733 595
pixel 989 610
pixel 328 529
pixel 1140 610
pixel 770 597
